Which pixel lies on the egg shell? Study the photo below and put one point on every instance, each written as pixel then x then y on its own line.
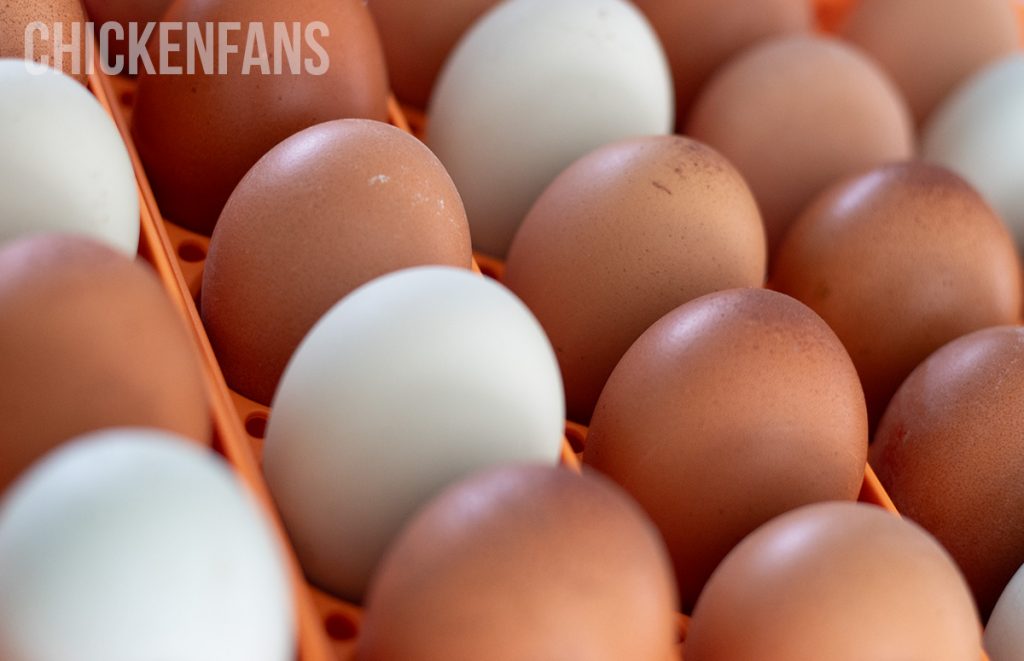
pixel 929 47
pixel 88 340
pixel 533 86
pixel 949 451
pixel 524 563
pixel 409 383
pixel 199 134
pixel 730 410
pixel 17 15
pixel 418 37
pixel 623 236
pixel 837 581
pixel 63 165
pixel 1004 637
pixel 899 261
pixel 979 133
pixel 794 114
pixel 327 210
pixel 701 35
pixel 134 544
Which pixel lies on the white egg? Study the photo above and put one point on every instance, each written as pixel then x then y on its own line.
pixel 133 544
pixel 1004 634
pixel 63 164
pixel 531 87
pixel 979 133
pixel 411 382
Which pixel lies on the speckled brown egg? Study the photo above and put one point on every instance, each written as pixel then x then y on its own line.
pixel 417 38
pixel 929 47
pixel 794 114
pixel 727 412
pixel 17 15
pixel 88 340
pixel 524 563
pixel 623 236
pixel 701 35
pixel 199 134
pixel 899 261
pixel 950 453
pixel 327 210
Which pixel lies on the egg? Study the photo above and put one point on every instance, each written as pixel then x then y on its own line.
pixel 838 581
pixel 325 211
pixel 1004 638
pixel 67 16
pixel 978 131
pixel 198 134
pixel 124 13
pixel 417 39
pixel 524 563
pixel 899 261
pixel 63 165
pixel 929 47
pixel 623 236
pixel 794 114
pixel 133 544
pixel 88 340
pixel 533 86
pixel 701 35
pixel 728 411
pixel 409 383
pixel 950 454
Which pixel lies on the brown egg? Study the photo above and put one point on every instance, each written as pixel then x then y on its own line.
pixel 951 454
pixel 795 114
pixel 199 134
pixel 623 236
pixel 727 412
pixel 929 47
pixel 701 35
pixel 899 261
pixel 88 340
pixel 123 12
pixel 17 15
pixel 417 38
pixel 327 210
pixel 524 563
pixel 836 581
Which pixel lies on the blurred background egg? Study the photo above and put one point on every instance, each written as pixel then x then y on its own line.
pixel 533 86
pixel 929 47
pixel 199 134
pixel 63 165
pixel 950 453
pixel 409 383
pixel 17 15
pixel 134 544
pixel 899 261
pixel 418 36
pixel 730 410
pixel 623 236
pixel 328 209
pixel 837 581
pixel 88 340
pixel 979 132
pixel 1004 636
pixel 701 35
pixel 794 114
pixel 524 563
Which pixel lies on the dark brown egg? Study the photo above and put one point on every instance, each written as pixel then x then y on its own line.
pixel 199 134
pixel 727 412
pixel 17 15
pixel 899 261
pixel 417 38
pixel 623 236
pixel 950 453
pixel 88 340
pixel 327 210
pixel 524 563
pixel 701 35
pixel 794 114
